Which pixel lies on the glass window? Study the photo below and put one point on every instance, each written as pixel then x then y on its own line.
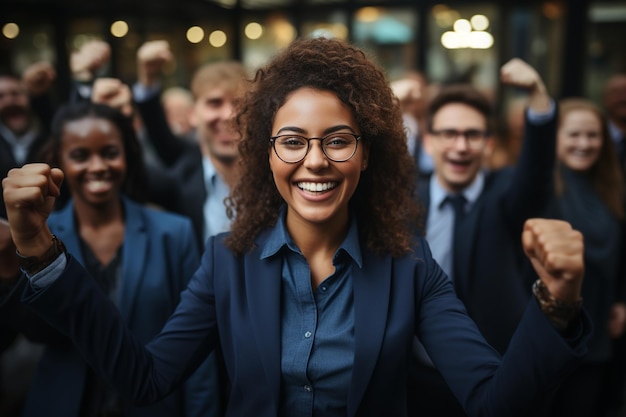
pixel 390 35
pixel 332 23
pixel 463 45
pixel 32 42
pixel 263 35
pixel 605 49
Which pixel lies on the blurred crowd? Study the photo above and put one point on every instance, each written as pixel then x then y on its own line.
pixel 170 155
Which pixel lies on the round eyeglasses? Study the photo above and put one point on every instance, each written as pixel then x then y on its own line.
pixel 474 138
pixel 338 147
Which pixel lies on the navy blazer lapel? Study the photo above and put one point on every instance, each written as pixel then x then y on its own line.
pixel 63 225
pixel 371 286
pixel 263 292
pixel 133 258
pixel 194 195
pixel 423 198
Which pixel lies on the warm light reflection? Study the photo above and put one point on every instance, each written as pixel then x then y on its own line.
pixel 464 37
pixel 340 30
pixel 195 34
pixel 479 22
pixel 253 30
pixel 462 26
pixel 283 31
pixel 11 30
pixel 450 40
pixel 480 40
pixel 367 14
pixel 119 29
pixel 217 38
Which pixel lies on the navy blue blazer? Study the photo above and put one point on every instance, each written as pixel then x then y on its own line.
pixel 159 256
pixel 489 255
pixel 234 302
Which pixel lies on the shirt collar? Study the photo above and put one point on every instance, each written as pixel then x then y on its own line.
pixel 279 238
pixel 25 140
pixel 471 192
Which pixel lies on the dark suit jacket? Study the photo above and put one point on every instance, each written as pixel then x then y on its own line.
pixel 43 111
pixel 159 257
pixel 7 162
pixel 489 257
pixel 183 162
pixel 234 302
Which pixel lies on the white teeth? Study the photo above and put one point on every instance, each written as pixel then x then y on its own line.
pixel 316 186
pixel 97 185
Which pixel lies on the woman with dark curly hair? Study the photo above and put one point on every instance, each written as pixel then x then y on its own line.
pixel 317 293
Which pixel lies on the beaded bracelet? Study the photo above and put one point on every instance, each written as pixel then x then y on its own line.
pixel 33 264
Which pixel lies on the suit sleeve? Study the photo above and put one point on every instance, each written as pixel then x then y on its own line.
pixel 485 383
pixel 201 391
pixel 532 183
pixel 169 147
pixel 16 319
pixel 142 374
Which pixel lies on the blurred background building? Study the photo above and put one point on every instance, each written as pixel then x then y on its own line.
pixel 574 44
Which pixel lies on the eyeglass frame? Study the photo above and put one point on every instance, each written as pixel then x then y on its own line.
pixel 357 138
pixel 475 143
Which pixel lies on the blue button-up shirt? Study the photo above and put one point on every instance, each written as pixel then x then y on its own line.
pixel 215 218
pixel 317 327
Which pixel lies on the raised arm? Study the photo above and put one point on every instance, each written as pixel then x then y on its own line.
pixel 29 196
pixel 531 184
pixel 151 59
pixel 517 73
pixel 87 62
pixel 74 304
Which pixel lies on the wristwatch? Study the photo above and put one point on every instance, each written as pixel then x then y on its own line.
pixel 560 313
pixel 33 264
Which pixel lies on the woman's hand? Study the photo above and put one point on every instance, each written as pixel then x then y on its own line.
pixel 556 252
pixel 29 196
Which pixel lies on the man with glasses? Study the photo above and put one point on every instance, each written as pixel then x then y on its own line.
pixel 474 217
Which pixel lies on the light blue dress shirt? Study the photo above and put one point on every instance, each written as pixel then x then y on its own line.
pixel 440 224
pixel 215 218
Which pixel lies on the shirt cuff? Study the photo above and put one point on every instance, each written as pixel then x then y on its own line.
pixel 47 276
pixel 540 117
pixel 84 90
pixel 142 93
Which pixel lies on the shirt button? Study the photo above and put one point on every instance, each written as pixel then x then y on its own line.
pixel 307 388
pixel 308 334
pixel 324 287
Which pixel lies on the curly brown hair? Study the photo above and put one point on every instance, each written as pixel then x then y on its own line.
pixel 384 201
